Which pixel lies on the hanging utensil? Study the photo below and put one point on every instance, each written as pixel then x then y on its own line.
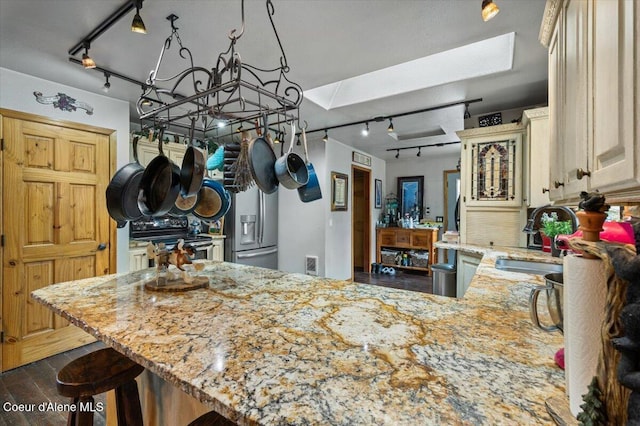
pixel 291 169
pixel 193 167
pixel 311 191
pixel 122 191
pixel 262 161
pixel 243 179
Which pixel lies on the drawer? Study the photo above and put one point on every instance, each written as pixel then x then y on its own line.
pixel 387 238
pixel 403 237
pixel 421 240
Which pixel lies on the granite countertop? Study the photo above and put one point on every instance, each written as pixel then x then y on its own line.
pixel 268 347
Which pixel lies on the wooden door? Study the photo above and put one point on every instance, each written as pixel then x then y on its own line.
pixel 361 218
pixel 56 228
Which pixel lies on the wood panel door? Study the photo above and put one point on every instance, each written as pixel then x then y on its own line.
pixel 56 228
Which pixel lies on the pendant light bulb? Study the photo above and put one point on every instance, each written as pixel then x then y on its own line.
pixel 87 62
pixel 365 131
pixel 137 25
pixel 325 138
pixel 419 149
pixel 298 142
pixel 467 114
pixel 397 153
pixel 390 128
pixel 107 85
pixel 489 10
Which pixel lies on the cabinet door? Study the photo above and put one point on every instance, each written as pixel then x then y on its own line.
pixel 138 260
pixel 614 106
pixel 466 269
pixel 538 156
pixel 146 152
pixel 217 250
pixel 573 114
pixel 556 156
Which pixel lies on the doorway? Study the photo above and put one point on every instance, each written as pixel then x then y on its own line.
pixel 451 206
pixel 361 219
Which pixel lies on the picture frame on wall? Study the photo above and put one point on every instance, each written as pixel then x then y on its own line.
pixel 410 194
pixel 378 194
pixel 339 191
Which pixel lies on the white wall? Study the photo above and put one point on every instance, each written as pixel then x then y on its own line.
pixel 432 168
pixel 312 228
pixel 16 93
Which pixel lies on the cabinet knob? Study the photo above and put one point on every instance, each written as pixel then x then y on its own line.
pixel 582 173
pixel 557 184
pixel 545 190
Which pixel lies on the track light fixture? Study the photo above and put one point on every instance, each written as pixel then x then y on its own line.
pixel 137 25
pixel 489 10
pixel 467 114
pixel 87 62
pixel 325 138
pixel 365 131
pixel 397 153
pixel 298 141
pixel 107 85
pixel 390 128
pixel 419 149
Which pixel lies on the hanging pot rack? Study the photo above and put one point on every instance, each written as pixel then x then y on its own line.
pixel 232 91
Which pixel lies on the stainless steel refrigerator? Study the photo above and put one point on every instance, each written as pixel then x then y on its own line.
pixel 251 229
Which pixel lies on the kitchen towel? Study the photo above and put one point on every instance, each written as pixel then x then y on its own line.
pixel 585 292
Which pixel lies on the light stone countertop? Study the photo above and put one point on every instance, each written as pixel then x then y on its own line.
pixel 268 347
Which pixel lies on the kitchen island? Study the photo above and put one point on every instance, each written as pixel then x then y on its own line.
pixel 268 347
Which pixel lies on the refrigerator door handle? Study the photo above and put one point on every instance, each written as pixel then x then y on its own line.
pixel 262 214
pixel 262 253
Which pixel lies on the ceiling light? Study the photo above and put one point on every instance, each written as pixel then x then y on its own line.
pixel 419 149
pixel 489 10
pixel 221 124
pixel 240 128
pixel 390 128
pixel 397 153
pixel 467 114
pixel 365 131
pixel 107 85
pixel 137 25
pixel 298 142
pixel 87 62
pixel 325 138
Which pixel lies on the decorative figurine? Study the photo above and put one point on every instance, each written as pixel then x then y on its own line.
pixel 180 257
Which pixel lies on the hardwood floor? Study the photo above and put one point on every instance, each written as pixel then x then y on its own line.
pixel 35 383
pixel 404 280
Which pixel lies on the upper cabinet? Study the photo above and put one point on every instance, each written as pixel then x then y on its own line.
pixel 536 122
pixel 492 166
pixel 593 98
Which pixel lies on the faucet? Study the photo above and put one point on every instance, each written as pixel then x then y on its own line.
pixel 531 223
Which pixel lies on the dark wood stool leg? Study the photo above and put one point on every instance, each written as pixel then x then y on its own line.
pixel 71 418
pixel 84 411
pixel 128 404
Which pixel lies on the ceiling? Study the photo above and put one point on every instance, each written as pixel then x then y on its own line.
pixel 325 41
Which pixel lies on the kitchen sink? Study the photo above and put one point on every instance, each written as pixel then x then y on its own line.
pixel 527 266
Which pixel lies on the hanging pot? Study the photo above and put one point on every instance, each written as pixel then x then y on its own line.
pixel 291 169
pixel 262 161
pixel 213 201
pixel 159 186
pixel 311 191
pixel 122 191
pixel 193 167
pixel 184 205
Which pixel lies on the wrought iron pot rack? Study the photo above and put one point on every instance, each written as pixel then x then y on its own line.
pixel 233 91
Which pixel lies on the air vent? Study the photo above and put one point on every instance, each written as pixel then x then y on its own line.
pixel 311 265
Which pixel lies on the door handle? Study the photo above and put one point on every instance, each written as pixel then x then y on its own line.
pixel 262 253
pixel 102 246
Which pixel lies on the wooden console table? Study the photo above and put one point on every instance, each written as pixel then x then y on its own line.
pixel 403 239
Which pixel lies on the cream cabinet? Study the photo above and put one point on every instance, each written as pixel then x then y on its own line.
pixel 536 122
pixel 217 249
pixel 492 210
pixel 147 151
pixel 138 259
pixel 467 264
pixel 593 98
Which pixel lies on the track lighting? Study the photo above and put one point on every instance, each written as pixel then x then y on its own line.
pixel 298 142
pixel 397 153
pixel 489 10
pixel 419 149
pixel 390 128
pixel 87 62
pixel 107 85
pixel 137 25
pixel 240 128
pixel 365 131
pixel 467 114
pixel 325 138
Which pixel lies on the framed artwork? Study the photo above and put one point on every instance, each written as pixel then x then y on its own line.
pixel 339 191
pixel 410 191
pixel 378 194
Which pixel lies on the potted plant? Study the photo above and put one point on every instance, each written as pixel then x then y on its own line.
pixel 552 226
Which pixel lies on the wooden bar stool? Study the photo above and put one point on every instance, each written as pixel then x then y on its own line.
pixel 98 372
pixel 211 419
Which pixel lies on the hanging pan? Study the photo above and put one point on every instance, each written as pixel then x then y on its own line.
pixel 311 191
pixel 122 191
pixel 160 185
pixel 291 169
pixel 262 161
pixel 213 201
pixel 193 167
